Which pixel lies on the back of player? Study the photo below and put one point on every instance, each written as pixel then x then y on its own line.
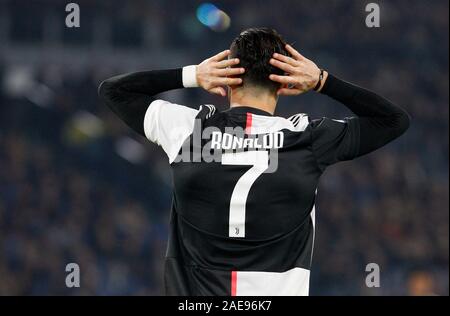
pixel 241 222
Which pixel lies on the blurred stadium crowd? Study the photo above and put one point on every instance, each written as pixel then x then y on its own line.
pixel 77 186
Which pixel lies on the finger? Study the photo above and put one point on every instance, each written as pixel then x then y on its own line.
pixel 283 66
pixel 285 59
pixel 230 72
pixel 294 52
pixel 228 81
pixel 222 55
pixel 289 92
pixel 282 79
pixel 227 63
pixel 219 91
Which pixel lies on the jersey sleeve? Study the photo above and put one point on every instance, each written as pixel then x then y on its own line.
pixel 334 140
pixel 168 125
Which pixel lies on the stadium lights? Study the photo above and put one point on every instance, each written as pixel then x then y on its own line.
pixel 214 18
pixel 130 150
pixel 83 127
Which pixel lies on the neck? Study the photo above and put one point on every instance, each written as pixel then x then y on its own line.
pixel 253 97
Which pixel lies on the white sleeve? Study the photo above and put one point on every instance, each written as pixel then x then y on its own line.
pixel 168 125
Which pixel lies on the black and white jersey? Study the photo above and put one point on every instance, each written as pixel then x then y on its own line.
pixel 245 182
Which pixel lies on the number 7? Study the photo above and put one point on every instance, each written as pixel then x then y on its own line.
pixel 260 162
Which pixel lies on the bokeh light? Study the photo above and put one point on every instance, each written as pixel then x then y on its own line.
pixel 214 18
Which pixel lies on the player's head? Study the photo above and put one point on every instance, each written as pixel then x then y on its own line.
pixel 255 47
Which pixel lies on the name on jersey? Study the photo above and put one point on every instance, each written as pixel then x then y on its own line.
pixel 226 141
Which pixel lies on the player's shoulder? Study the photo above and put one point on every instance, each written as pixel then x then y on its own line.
pixel 206 111
pixel 295 123
pixel 262 124
pixel 300 121
pixel 329 123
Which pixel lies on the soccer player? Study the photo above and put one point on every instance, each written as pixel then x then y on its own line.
pixel 243 223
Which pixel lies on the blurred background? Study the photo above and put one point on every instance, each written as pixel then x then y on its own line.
pixel 76 185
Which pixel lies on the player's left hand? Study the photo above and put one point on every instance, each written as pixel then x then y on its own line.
pixel 214 73
pixel 301 74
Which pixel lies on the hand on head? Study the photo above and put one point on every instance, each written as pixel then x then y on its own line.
pixel 215 73
pixel 301 74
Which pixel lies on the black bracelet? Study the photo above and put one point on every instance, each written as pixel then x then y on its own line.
pixel 319 84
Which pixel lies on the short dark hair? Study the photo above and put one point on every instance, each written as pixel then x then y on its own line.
pixel 255 47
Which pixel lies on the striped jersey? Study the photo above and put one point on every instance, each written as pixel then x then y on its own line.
pixel 244 188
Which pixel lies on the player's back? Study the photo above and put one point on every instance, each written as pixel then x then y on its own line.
pixel 244 191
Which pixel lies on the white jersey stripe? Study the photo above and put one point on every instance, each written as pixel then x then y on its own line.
pixel 261 124
pixel 294 282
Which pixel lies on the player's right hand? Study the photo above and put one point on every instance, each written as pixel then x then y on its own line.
pixel 215 73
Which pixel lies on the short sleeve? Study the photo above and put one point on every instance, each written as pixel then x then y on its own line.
pixel 334 140
pixel 168 125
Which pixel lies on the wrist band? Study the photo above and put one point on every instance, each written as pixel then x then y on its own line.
pixel 190 77
pixel 319 84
